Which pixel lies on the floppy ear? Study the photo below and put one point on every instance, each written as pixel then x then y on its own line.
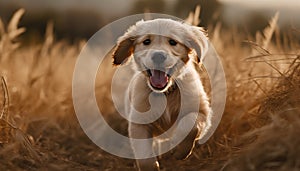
pixel 198 41
pixel 125 46
pixel 123 50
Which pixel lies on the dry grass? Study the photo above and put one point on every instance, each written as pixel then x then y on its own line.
pixel 259 129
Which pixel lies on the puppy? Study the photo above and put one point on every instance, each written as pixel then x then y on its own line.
pixel 166 57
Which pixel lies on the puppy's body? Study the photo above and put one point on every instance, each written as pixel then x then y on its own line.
pixel 166 55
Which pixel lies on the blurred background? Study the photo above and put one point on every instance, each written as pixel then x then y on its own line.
pixel 76 19
pixel 259 51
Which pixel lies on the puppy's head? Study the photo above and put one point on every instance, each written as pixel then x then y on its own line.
pixel 161 48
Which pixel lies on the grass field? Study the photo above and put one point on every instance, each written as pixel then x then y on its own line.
pixel 259 130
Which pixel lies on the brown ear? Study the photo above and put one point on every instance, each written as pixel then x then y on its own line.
pixel 197 40
pixel 123 51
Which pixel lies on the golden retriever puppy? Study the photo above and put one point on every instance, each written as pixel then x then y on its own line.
pixel 166 91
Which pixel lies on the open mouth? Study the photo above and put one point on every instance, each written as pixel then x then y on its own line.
pixel 158 79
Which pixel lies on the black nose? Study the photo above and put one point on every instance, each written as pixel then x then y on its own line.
pixel 158 57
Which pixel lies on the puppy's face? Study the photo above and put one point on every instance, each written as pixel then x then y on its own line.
pixel 161 48
pixel 160 58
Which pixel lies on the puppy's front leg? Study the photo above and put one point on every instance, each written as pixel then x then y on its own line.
pixel 137 131
pixel 185 147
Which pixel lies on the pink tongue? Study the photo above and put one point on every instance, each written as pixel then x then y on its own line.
pixel 159 79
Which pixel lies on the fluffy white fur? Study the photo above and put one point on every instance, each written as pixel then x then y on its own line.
pixel 182 59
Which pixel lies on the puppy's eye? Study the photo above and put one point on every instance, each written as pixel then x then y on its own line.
pixel 172 42
pixel 147 42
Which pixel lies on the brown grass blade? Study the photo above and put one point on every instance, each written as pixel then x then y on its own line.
pixel 294 69
pixel 4 130
pixel 259 86
pixel 147 16
pixel 263 55
pixel 259 48
pixel 13 24
pixel 269 31
pixel 18 134
pixel 24 140
pixel 15 33
pixel 285 77
pixel 282 60
pixel 194 17
pixel 296 30
pixel 2 29
pixel 5 106
pixel 49 38
pixel 196 20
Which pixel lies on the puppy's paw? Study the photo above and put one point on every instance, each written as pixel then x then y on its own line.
pixel 144 165
pixel 184 149
pixel 183 152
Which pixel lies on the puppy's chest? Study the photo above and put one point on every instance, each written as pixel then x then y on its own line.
pixel 169 116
